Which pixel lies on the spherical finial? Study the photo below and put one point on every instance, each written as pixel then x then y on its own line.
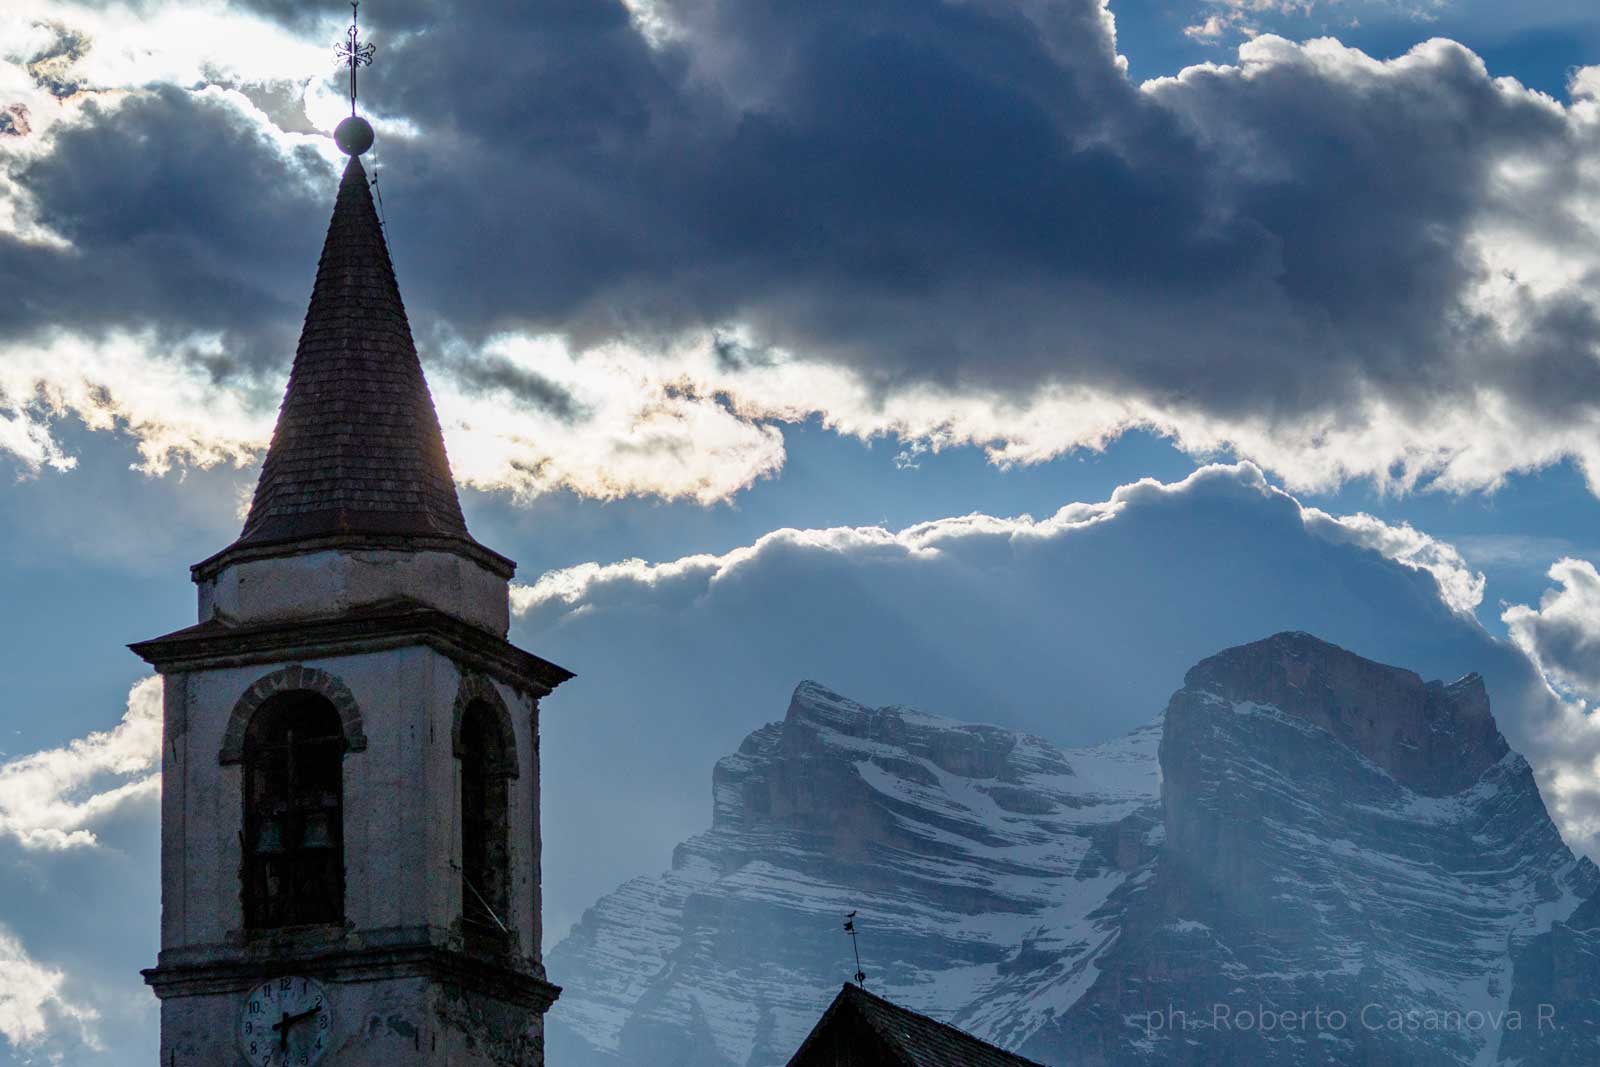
pixel 353 135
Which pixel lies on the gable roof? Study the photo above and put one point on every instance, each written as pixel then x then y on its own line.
pixel 357 448
pixel 911 1040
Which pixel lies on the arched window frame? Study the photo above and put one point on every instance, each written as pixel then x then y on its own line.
pixel 287 682
pixel 484 802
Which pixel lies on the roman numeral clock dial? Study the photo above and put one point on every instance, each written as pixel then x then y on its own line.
pixel 285 1022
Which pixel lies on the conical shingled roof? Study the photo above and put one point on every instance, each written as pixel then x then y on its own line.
pixel 357 448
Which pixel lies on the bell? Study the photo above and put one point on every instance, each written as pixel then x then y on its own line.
pixel 317 832
pixel 269 839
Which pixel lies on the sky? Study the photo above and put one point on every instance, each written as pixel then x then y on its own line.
pixel 998 357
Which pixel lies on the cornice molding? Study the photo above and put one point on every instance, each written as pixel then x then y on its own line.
pixel 213 645
pixel 227 969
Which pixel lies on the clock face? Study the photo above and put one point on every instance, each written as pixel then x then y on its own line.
pixel 285 1022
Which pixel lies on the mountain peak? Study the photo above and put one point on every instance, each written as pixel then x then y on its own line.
pixel 809 694
pixel 820 718
pixel 1432 737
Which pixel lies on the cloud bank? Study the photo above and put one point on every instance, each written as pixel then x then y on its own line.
pixel 951 223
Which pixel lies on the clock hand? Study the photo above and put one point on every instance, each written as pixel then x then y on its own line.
pixel 289 1020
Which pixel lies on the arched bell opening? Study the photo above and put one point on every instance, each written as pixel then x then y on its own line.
pixel 488 762
pixel 293 835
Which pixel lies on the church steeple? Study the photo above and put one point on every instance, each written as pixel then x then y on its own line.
pixel 357 449
pixel 357 459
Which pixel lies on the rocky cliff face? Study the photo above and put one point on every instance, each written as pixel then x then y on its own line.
pixel 1312 858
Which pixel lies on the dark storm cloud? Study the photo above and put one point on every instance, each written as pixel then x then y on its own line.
pixel 854 169
pixel 1370 189
pixel 973 193
pixel 533 389
pixel 969 194
pixel 182 219
pixel 854 161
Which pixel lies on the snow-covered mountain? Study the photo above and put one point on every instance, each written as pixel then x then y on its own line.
pixel 1341 837
pixel 1303 832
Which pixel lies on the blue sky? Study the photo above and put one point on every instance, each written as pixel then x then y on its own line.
pixel 1536 43
pixel 689 275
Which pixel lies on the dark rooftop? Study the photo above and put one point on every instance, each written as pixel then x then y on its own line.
pixel 860 1022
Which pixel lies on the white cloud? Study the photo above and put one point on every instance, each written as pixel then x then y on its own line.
pixel 1562 635
pixel 168 405
pixel 654 20
pixel 33 1006
pixel 1460 586
pixel 645 425
pixel 113 50
pixel 51 799
pixel 641 424
pixel 1569 771
pixel 1584 86
pixel 188 43
pixel 1249 17
pixel 1209 29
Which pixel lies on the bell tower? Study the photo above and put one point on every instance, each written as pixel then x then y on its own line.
pixel 350 770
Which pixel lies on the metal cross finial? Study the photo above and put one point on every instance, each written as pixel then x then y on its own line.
pixel 354 52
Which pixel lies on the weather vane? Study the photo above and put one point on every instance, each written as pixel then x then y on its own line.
pixel 354 52
pixel 850 928
pixel 354 134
